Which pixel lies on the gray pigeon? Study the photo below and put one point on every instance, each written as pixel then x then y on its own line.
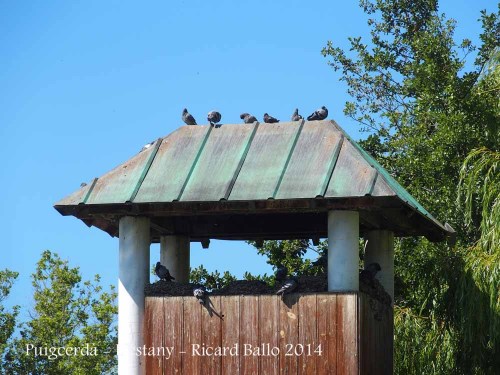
pixel 200 292
pixel 162 272
pixel 214 117
pixel 289 286
pixel 83 184
pixel 296 116
pixel 270 119
pixel 188 118
pixel 281 273
pixel 320 114
pixel 247 118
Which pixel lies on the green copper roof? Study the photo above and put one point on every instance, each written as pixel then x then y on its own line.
pixel 271 164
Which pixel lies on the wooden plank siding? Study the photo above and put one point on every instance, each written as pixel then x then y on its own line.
pixel 323 333
pixel 154 333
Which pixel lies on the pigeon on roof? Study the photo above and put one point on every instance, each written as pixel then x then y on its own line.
pixel 188 118
pixel 200 292
pixel 247 118
pixel 319 114
pixel 83 184
pixel 281 273
pixel 162 272
pixel 289 286
pixel 296 116
pixel 270 119
pixel 214 117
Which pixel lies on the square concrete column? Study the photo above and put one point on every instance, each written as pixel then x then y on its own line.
pixel 379 249
pixel 343 258
pixel 175 255
pixel 133 276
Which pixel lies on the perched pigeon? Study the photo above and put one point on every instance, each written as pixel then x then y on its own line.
pixel 281 273
pixel 162 272
pixel 188 118
pixel 320 114
pixel 289 286
pixel 214 117
pixel 296 116
pixel 83 184
pixel 270 119
pixel 247 118
pixel 200 293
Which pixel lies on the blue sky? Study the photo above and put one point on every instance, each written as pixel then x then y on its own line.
pixel 83 86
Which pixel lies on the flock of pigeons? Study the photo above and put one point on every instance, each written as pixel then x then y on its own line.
pixel 288 283
pixel 214 117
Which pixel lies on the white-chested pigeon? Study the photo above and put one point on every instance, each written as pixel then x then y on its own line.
pixel 214 117
pixel 200 292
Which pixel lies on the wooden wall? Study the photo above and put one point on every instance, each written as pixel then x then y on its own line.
pixel 295 326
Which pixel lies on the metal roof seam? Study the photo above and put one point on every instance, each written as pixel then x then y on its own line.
pixel 196 159
pixel 374 181
pixel 85 199
pixel 242 161
pixel 290 152
pixel 333 163
pixel 145 170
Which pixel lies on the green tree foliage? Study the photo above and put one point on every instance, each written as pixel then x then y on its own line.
pixel 289 254
pixel 66 313
pixel 480 185
pixel 214 280
pixel 427 107
pixel 7 316
pixel 211 280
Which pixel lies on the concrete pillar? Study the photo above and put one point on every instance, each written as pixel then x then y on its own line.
pixel 175 254
pixel 379 249
pixel 133 276
pixel 343 254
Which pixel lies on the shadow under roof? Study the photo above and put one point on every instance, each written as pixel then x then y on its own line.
pixel 251 181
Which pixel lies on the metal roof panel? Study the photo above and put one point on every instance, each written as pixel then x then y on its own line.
pixel 352 176
pixel 215 169
pixel 172 164
pixel 312 162
pixel 246 164
pixel 118 185
pixel 265 161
